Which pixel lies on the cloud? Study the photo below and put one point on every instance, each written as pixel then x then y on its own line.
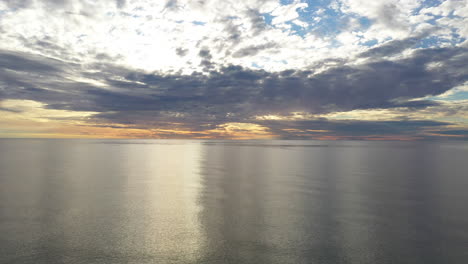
pixel 206 57
pixel 454 132
pixel 352 129
pixel 181 51
pixel 286 13
pixel 27 63
pixel 120 3
pixel 394 47
pixel 257 22
pixel 18 4
pixel 234 89
pixel 198 65
pixel 458 7
pixel 253 50
pixel 391 14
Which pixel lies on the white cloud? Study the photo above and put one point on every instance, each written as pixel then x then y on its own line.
pixel 458 7
pixel 146 34
pixel 391 18
pixel 286 13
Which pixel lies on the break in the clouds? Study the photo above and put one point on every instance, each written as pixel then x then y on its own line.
pixel 340 69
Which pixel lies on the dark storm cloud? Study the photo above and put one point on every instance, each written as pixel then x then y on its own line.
pixel 233 93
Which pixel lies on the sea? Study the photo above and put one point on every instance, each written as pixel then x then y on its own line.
pixel 216 201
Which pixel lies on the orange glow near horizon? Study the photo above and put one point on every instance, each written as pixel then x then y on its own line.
pixel 31 119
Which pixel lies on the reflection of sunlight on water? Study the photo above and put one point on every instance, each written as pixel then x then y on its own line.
pixel 172 188
pixel 166 185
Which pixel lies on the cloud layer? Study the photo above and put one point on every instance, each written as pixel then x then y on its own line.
pixel 237 70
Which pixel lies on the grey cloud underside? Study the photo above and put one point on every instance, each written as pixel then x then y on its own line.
pixel 350 129
pixel 392 47
pixel 232 93
pixel 253 50
pixel 181 52
pixel 233 31
pixel 257 22
pixel 388 15
pixel 454 132
pixel 9 110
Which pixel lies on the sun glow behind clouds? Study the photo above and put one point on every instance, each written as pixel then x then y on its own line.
pixel 37 111
pixel 26 117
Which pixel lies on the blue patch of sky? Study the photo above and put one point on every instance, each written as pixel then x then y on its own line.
pixel 322 19
pixel 198 23
pixel 459 96
pixel 432 41
pixel 436 41
pixel 365 22
pixel 433 20
pixel 267 18
pixel 314 5
pixel 286 2
pixel 456 96
pixel 334 43
pixel 298 30
pixel 332 22
pixel 330 19
pixel 255 65
pixel 461 40
pixel 370 43
pixel 329 23
pixel 426 4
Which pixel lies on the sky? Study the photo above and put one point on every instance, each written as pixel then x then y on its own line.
pixel 251 69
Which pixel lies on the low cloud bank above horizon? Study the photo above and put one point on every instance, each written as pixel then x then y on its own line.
pixel 392 70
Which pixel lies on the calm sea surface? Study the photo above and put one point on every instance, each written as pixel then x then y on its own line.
pixel 169 201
